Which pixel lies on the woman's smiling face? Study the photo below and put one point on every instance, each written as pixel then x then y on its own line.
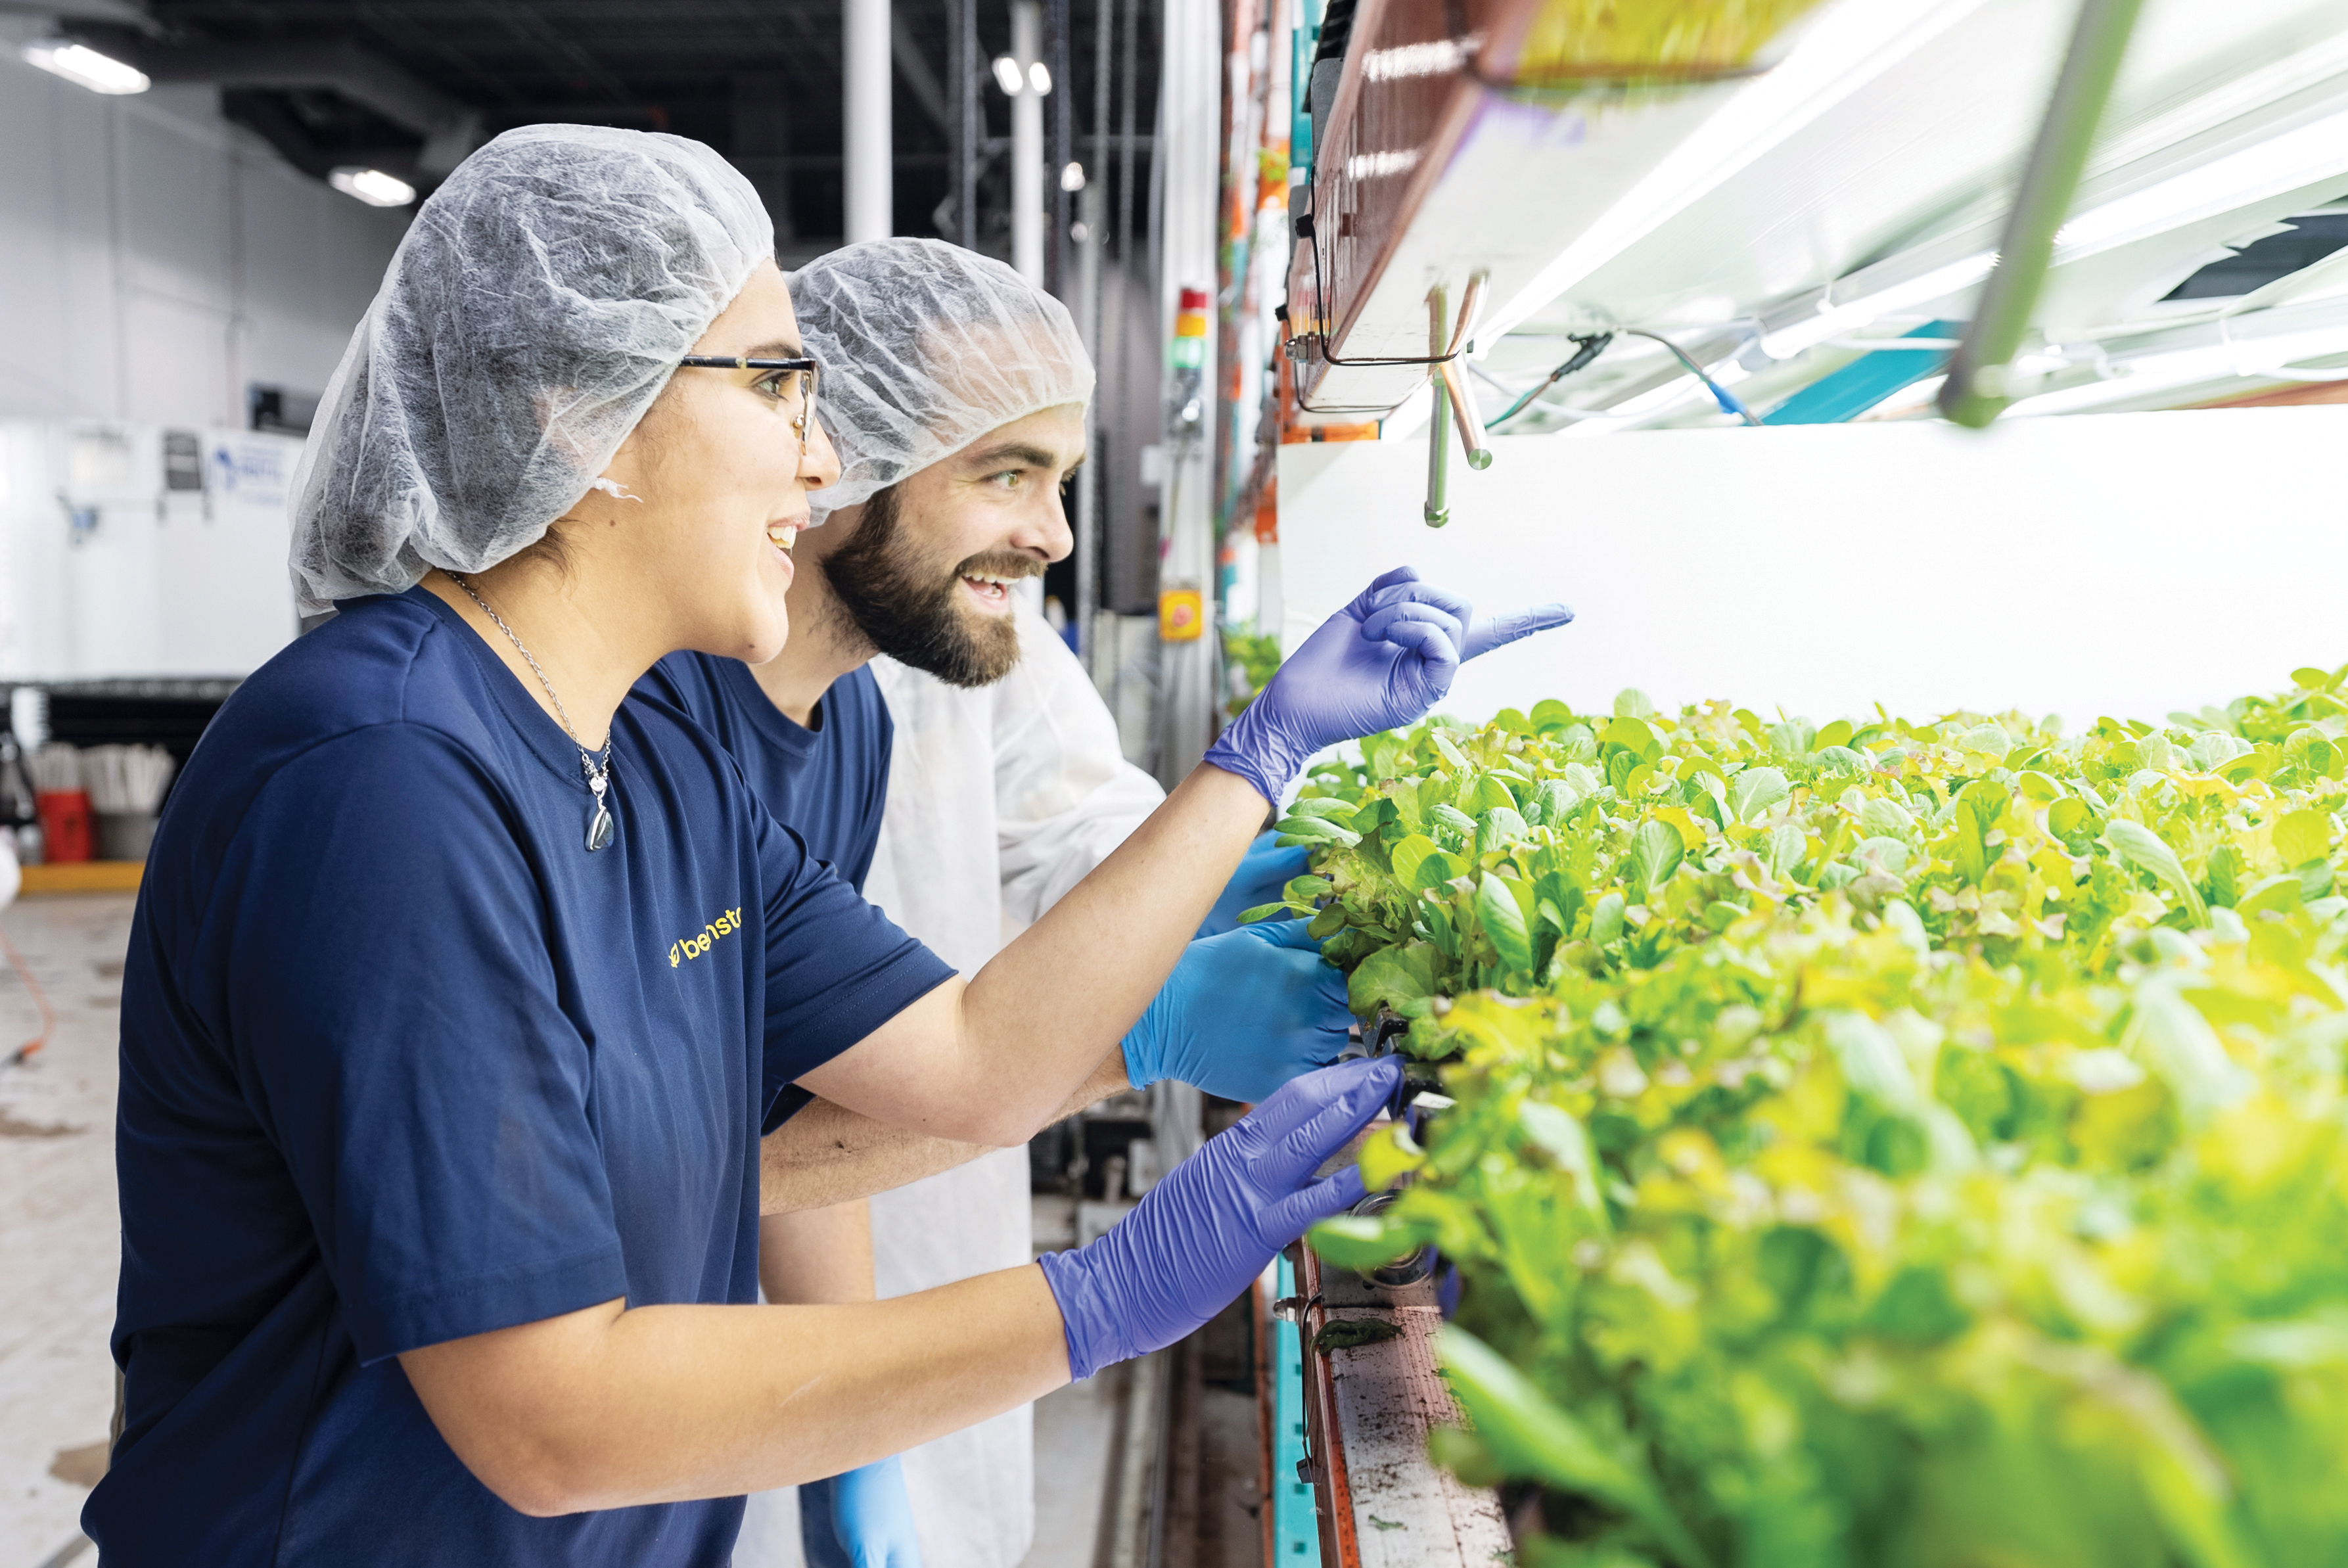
pixel 720 486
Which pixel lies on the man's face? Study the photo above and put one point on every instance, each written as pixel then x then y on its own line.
pixel 924 569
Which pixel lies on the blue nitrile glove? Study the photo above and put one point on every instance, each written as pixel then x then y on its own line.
pixel 1264 871
pixel 860 1519
pixel 1210 1225
pixel 1243 1013
pixel 1381 662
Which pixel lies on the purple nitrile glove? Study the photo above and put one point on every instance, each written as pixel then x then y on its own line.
pixel 862 1519
pixel 1242 1014
pixel 1265 871
pixel 1382 662
pixel 1212 1223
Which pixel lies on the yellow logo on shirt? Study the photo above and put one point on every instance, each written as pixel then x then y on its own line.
pixel 699 942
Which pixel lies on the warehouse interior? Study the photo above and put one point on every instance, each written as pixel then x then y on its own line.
pixel 1931 410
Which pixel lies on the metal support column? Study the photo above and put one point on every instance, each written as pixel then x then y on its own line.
pixel 1057 58
pixel 1027 143
pixel 865 66
pixel 969 121
pixel 1090 317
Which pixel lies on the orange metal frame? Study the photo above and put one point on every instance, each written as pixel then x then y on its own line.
pixel 1341 1545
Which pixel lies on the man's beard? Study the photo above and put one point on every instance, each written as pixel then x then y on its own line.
pixel 904 610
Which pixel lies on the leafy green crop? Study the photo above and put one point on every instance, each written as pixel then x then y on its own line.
pixel 1251 657
pixel 1878 1145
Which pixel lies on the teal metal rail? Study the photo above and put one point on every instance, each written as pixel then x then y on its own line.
pixel 1295 1528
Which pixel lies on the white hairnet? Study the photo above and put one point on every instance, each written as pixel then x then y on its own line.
pixel 537 305
pixel 925 348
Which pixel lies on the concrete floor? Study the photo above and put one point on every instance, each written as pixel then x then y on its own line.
pixel 1076 1442
pixel 59 1250
pixel 59 1258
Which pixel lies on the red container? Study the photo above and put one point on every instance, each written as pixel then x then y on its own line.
pixel 65 825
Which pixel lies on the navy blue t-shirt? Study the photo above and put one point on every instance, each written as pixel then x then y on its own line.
pixel 828 784
pixel 403 1062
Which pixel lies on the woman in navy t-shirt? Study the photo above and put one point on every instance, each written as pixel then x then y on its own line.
pixel 460 990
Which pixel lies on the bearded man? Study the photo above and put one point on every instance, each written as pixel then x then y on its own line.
pixel 955 392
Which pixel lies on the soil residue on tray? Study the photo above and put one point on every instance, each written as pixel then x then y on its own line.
pixel 1345 1333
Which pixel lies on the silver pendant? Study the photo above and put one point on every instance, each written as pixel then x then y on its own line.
pixel 599 780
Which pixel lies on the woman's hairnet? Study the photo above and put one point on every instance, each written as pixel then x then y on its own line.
pixel 538 305
pixel 925 348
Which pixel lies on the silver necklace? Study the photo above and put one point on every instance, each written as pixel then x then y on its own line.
pixel 597 769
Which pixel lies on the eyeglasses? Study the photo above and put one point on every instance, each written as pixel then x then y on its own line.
pixel 803 384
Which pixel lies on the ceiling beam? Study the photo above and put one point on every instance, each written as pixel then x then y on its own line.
pixel 449 129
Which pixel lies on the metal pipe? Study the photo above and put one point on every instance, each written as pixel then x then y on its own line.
pixel 869 175
pixel 970 122
pixel 1060 141
pixel 1468 304
pixel 1438 510
pixel 1975 391
pixel 1464 415
pixel 1027 143
pixel 1096 220
pixel 1457 393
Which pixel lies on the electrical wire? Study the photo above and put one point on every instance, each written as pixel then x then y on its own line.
pixel 1729 402
pixel 1311 237
pixel 1587 347
pixel 31 1048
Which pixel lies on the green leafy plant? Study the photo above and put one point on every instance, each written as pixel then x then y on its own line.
pixel 1873 1143
pixel 1251 657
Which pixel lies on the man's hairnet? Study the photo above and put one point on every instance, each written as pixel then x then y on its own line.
pixel 538 305
pixel 925 348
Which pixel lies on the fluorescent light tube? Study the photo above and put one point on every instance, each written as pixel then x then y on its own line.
pixel 372 185
pixel 1837 318
pixel 2257 360
pixel 2311 153
pixel 84 66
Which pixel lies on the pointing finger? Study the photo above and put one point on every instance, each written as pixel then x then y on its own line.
pixel 1501 630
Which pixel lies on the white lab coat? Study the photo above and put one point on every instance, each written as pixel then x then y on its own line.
pixel 1000 800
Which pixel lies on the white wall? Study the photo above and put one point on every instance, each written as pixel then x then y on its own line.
pixel 2129 563
pixel 154 259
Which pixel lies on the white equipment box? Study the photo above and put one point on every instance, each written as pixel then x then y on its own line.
pixel 128 550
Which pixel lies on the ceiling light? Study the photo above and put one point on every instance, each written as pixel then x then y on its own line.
pixel 1072 178
pixel 84 66
pixel 2263 360
pixel 372 185
pixel 1007 77
pixel 1837 318
pixel 2314 152
pixel 1040 80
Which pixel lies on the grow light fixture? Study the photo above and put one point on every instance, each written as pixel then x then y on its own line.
pixel 372 185
pixel 1847 48
pixel 84 66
